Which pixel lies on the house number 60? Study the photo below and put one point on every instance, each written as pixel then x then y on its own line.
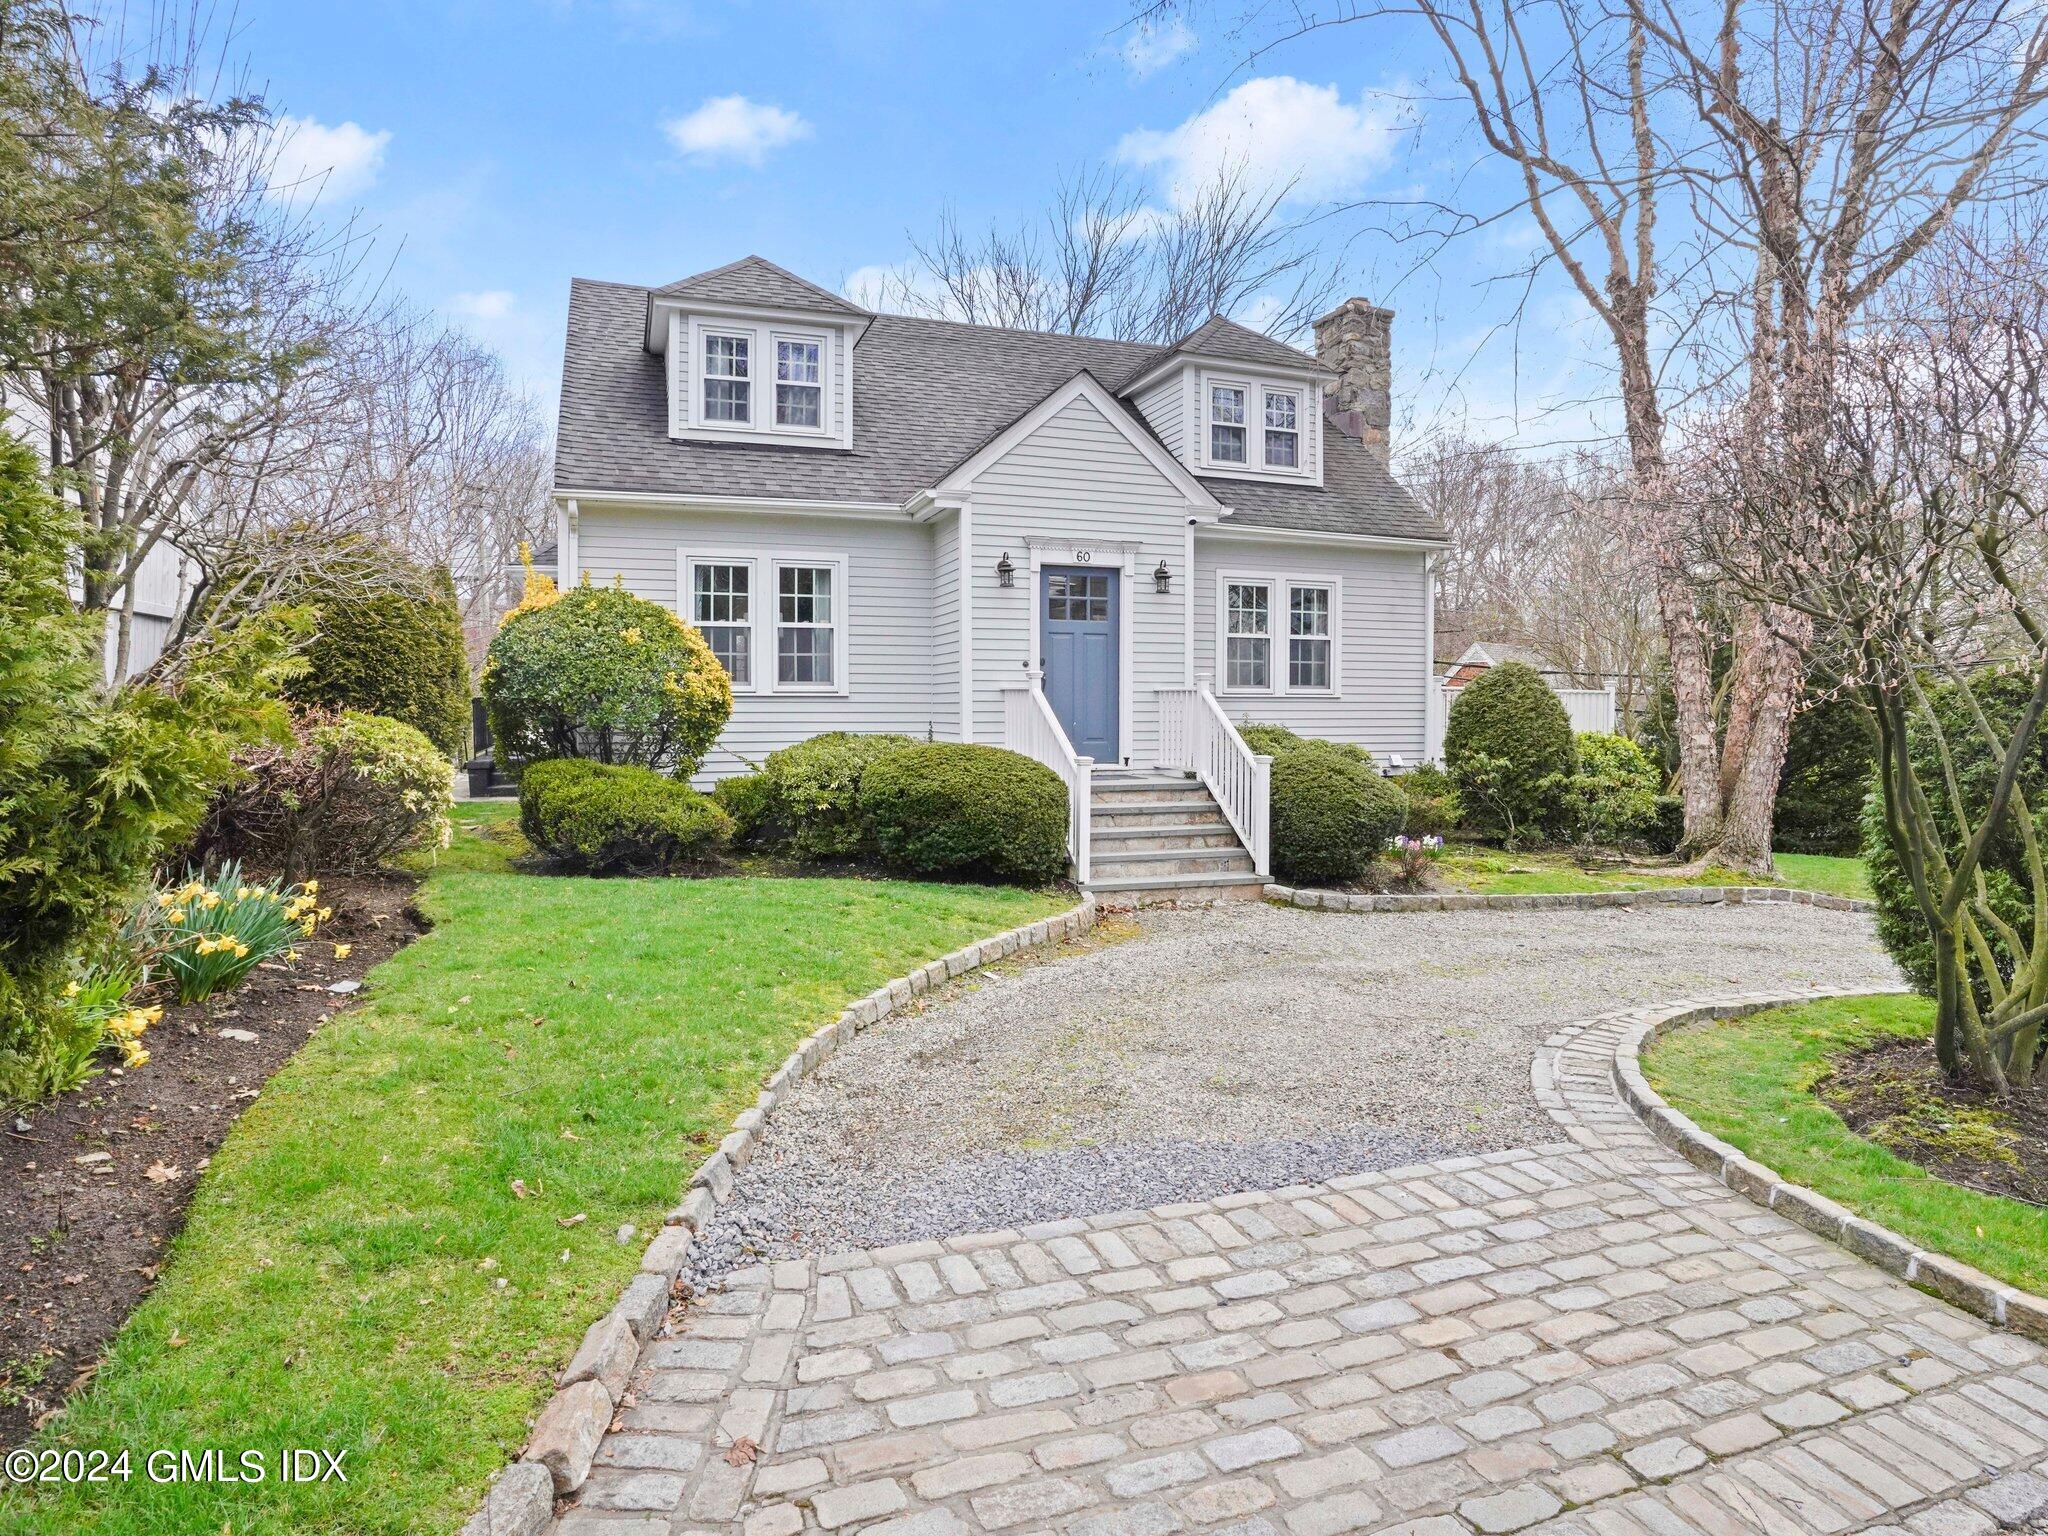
pixel 1083 556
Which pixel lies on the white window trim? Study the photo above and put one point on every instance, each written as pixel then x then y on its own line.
pixel 705 377
pixel 1299 429
pixel 1279 608
pixel 764 608
pixel 1308 427
pixel 1210 385
pixel 822 341
pixel 687 393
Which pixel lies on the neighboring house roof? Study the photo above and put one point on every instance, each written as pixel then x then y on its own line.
pixel 926 395
pixel 1498 653
pixel 758 282
pixel 1226 339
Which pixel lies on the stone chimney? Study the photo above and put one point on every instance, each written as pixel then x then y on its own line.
pixel 1355 342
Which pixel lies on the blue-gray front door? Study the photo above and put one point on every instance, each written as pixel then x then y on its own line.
pixel 1077 627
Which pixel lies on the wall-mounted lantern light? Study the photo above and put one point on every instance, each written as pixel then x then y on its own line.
pixel 1006 573
pixel 1162 579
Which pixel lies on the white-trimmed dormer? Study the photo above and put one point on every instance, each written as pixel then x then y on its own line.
pixel 754 354
pixel 1231 403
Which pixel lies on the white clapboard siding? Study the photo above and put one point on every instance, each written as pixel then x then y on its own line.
pixel 946 629
pixel 1380 703
pixel 888 610
pixel 1074 480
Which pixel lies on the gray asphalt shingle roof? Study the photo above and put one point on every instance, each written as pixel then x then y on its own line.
pixel 1233 343
pixel 927 394
pixel 755 280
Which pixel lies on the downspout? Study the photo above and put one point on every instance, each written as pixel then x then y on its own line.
pixel 1187 611
pixel 1431 750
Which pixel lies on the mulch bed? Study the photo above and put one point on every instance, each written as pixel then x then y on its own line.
pixel 94 1183
pixel 1896 1095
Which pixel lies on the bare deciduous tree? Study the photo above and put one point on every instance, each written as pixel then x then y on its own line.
pixel 1105 263
pixel 1902 534
pixel 1727 187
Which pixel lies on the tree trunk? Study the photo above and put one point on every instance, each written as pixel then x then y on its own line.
pixel 1692 693
pixel 1770 679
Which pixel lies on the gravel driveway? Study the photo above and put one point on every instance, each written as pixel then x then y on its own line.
pixel 1186 1054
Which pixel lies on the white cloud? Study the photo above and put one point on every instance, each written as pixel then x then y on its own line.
pixel 1153 45
pixel 490 304
pixel 309 159
pixel 732 127
pixel 1278 130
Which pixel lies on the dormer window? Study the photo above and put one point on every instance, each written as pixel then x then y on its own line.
pixel 799 388
pixel 1226 424
pixel 728 385
pixel 1283 429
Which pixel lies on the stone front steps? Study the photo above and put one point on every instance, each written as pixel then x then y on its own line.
pixel 1159 836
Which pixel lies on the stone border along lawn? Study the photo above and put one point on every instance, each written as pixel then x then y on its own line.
pixel 1649 896
pixel 1622 1043
pixel 567 1432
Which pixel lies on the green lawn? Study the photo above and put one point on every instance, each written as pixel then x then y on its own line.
pixel 1746 1081
pixel 358 1273
pixel 1528 874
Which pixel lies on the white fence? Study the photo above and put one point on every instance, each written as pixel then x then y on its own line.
pixel 1589 709
pixel 1194 733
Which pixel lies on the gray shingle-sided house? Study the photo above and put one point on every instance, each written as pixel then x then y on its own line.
pixel 1104 554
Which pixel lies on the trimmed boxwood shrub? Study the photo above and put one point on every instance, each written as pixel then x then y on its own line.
pixel 347 792
pixel 955 808
pixel 1508 747
pixel 597 672
pixel 394 654
pixel 811 808
pixel 1332 814
pixel 745 797
pixel 607 818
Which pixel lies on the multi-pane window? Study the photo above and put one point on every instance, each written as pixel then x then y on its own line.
pixel 728 379
pixel 799 391
pixel 1283 429
pixel 1308 637
pixel 721 606
pixel 1248 635
pixel 1081 597
pixel 805 633
pixel 1226 424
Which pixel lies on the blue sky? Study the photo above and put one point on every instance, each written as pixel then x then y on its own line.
pixel 498 149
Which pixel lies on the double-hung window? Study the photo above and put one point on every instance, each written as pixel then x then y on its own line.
pixel 1308 636
pixel 728 378
pixel 1226 424
pixel 806 625
pixel 1248 634
pixel 1283 429
pixel 722 608
pixel 799 384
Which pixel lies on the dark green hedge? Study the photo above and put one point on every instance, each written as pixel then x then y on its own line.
pixel 394 655
pixel 951 808
pixel 604 818
pixel 1508 746
pixel 1828 766
pixel 1332 813
pixel 810 806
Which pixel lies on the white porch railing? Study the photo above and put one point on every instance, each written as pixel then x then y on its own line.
pixel 1030 727
pixel 1195 734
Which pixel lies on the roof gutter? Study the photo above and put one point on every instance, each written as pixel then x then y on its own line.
pixel 1249 531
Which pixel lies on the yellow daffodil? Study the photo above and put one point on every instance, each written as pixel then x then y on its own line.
pixel 175 915
pixel 241 950
pixel 151 1015
pixel 306 928
pixel 312 887
pixel 241 893
pixel 326 913
pixel 71 989
pixel 341 951
pixel 166 898
pixel 291 957
pixel 209 900
pixel 135 1055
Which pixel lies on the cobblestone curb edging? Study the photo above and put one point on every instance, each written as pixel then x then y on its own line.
pixel 1472 901
pixel 1951 1279
pixel 571 1424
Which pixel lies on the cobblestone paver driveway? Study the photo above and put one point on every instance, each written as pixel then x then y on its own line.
pixel 1594 1339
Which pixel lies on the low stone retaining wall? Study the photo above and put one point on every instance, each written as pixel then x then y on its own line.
pixel 566 1434
pixel 1470 901
pixel 1951 1279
